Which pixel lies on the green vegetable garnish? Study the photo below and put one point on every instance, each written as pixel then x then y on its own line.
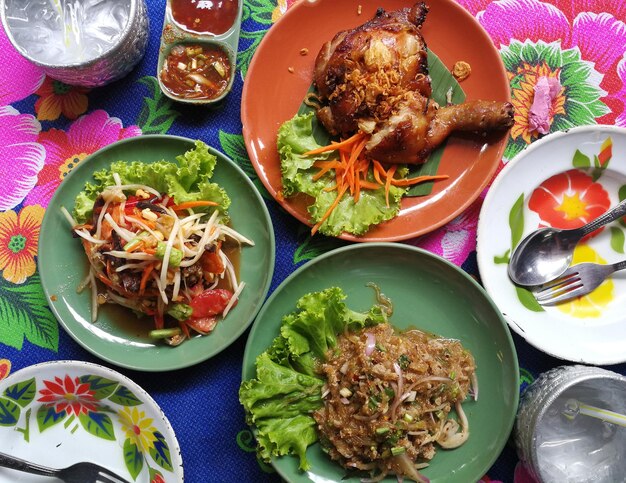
pixel 165 333
pixel 176 256
pixel 180 311
pixel 404 361
pixel 397 450
pixel 135 241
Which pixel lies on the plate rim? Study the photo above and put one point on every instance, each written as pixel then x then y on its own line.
pixel 146 397
pixel 462 206
pixel 129 364
pixel 248 359
pixel 481 232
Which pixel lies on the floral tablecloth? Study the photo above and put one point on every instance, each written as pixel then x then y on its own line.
pixel 47 128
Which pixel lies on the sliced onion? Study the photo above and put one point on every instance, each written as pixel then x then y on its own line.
pixel 408 469
pixel 344 368
pixel 375 479
pixel 428 379
pixel 178 50
pixel 344 400
pixel 360 417
pixel 474 389
pixel 371 344
pixel 200 79
pixel 396 368
pixel 397 400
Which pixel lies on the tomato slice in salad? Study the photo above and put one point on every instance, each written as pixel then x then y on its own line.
pixel 210 302
pixel 204 325
pixel 211 262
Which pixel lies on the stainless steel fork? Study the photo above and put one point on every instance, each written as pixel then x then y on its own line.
pixel 78 473
pixel 576 281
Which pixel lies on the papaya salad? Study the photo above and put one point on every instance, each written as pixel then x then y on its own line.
pixel 157 239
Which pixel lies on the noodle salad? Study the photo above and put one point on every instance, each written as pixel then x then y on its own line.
pixel 379 401
pixel 158 242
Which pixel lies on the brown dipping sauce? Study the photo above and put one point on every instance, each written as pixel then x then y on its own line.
pixel 196 71
pixel 205 16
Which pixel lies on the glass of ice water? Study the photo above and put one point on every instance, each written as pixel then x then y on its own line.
pixel 560 443
pixel 79 42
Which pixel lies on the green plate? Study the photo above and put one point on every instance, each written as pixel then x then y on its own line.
pixel 428 293
pixel 118 336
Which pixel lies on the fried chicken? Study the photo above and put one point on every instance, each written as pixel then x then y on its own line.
pixel 374 78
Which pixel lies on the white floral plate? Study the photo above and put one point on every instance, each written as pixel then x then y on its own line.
pixel 564 180
pixel 59 413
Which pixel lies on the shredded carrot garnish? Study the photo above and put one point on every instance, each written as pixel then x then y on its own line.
pixel 115 213
pixel 149 223
pixel 379 171
pixel 346 143
pixel 390 172
pixel 135 247
pixel 104 279
pixel 368 185
pixel 144 278
pixel 193 204
pixel 330 210
pixel 351 172
pixel 325 167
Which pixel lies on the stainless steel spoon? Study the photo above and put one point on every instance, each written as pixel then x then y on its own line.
pixel 546 253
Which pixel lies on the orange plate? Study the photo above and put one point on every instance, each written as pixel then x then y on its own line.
pixel 272 95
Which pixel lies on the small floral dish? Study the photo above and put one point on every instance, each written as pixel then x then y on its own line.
pixel 63 412
pixel 197 57
pixel 564 180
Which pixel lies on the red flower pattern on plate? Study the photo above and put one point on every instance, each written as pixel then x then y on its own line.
pixel 569 200
pixel 68 395
pixel 158 478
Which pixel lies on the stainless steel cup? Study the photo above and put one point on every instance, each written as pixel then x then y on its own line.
pixel 113 64
pixel 543 399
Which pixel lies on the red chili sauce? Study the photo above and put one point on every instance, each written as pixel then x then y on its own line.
pixel 196 71
pixel 205 16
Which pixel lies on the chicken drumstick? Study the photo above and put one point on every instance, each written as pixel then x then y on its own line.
pixel 374 78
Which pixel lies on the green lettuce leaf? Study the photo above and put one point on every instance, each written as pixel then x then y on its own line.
pixel 286 389
pixel 320 317
pixel 187 179
pixel 282 436
pixel 298 392
pixel 295 137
